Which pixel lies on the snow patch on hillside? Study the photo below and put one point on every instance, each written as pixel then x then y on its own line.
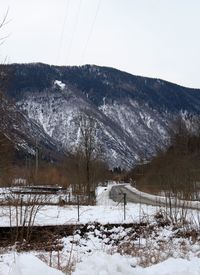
pixel 60 84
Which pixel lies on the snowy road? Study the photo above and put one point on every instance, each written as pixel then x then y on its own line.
pixel 117 192
pixel 135 196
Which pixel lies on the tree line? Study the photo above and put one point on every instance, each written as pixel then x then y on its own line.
pixel 176 169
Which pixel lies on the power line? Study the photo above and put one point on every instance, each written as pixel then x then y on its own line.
pixel 62 30
pixel 91 31
pixel 73 31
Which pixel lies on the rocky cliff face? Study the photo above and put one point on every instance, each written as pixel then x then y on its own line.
pixel 132 113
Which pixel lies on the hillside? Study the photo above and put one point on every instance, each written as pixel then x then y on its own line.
pixel 133 113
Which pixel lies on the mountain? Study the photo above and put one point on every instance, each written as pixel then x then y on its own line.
pixel 26 134
pixel 132 113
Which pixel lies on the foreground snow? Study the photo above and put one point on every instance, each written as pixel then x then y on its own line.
pixel 89 249
pixel 25 264
pixel 104 264
pixel 99 263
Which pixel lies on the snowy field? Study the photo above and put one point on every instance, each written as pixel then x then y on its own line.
pixel 106 211
pixel 118 250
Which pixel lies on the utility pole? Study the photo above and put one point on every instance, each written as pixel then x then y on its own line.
pixel 124 206
pixel 36 161
pixel 78 204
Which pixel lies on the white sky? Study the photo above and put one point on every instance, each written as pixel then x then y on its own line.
pixel 156 38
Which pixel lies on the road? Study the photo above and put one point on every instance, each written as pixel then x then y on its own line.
pixel 117 191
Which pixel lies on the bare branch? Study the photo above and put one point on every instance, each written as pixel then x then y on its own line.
pixel 4 22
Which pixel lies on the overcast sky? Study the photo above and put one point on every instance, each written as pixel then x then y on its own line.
pixel 156 38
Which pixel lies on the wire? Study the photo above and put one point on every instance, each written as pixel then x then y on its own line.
pixel 74 30
pixel 63 30
pixel 91 31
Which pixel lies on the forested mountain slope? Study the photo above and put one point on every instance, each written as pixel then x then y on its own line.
pixel 132 113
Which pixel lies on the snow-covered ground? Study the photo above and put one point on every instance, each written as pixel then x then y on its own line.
pixel 100 263
pixel 149 248
pixel 97 253
pixel 104 264
pixel 106 211
pixel 24 264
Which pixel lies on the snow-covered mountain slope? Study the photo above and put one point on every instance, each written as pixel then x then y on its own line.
pixel 25 133
pixel 133 113
pixel 124 130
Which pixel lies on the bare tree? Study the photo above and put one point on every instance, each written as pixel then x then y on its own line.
pixel 22 210
pixel 6 157
pixel 3 23
pixel 88 147
pixel 6 146
pixel 85 167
